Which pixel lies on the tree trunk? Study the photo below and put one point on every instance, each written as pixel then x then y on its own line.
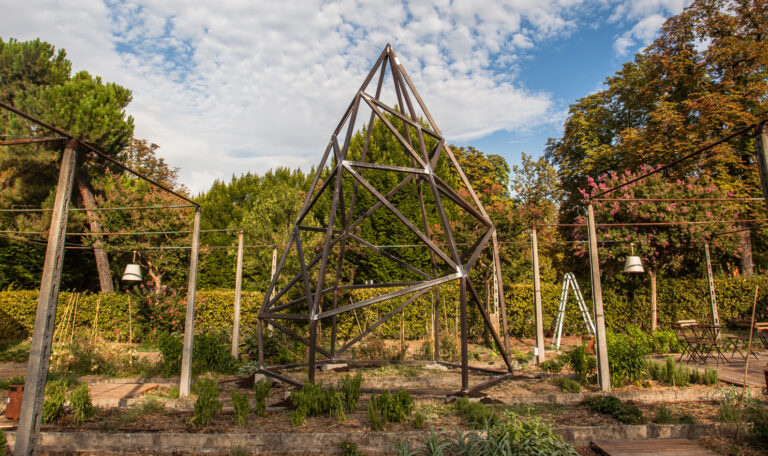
pixel 746 253
pixel 653 300
pixel 102 262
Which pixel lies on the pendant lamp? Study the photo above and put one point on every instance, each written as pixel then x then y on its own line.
pixel 632 264
pixel 132 271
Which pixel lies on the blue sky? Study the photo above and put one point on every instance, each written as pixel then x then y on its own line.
pixel 233 86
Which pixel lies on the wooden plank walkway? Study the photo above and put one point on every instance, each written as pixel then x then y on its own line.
pixel 661 447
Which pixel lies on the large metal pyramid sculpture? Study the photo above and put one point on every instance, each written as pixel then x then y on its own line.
pixel 348 192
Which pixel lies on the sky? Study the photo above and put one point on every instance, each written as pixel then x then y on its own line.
pixel 236 86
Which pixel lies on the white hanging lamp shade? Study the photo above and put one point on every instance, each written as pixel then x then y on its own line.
pixel 633 264
pixel 132 271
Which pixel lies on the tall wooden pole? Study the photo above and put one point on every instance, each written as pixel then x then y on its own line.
pixel 711 282
pixel 540 356
pixel 189 319
pixel 464 334
pixel 603 370
pixel 500 284
pixel 238 290
pixel 42 337
pixel 761 154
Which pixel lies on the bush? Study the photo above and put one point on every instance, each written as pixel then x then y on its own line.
pixel 349 388
pixel 581 362
pixel 81 405
pixel 207 403
pixel 3 444
pixel 261 391
pixel 449 348
pixel 55 397
pixel 389 407
pixel 567 385
pixel 710 377
pixel 349 448
pixel 526 437
pixel 551 365
pixel 665 415
pixel 665 341
pixel 212 353
pixel 626 355
pixel 478 415
pixel 241 407
pixel 674 374
pixel 171 347
pixel 313 400
pixel 624 412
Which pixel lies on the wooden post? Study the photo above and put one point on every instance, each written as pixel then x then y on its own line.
pixel 711 281
pixel 537 297
pixel 45 317
pixel 464 334
pixel 189 319
pixel 603 370
pixel 500 284
pixel 761 154
pixel 238 291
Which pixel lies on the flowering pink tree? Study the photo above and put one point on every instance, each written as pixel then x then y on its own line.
pixel 662 248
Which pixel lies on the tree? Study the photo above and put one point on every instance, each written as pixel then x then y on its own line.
pixel 706 74
pixel 670 248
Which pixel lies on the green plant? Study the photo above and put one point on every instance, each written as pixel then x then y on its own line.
pixel 349 448
pixel 477 414
pixel 375 417
pixel 551 365
pixel 3 444
pixel 665 415
pixel 426 350
pixel 238 450
pixel 5 383
pixel 418 419
pixel 171 346
pixel 568 385
pixel 521 357
pixel 395 407
pixel 665 341
pixel 14 351
pixel 611 405
pixel 207 403
pixel 672 373
pixel 710 377
pixel 349 388
pixel 261 391
pixel 581 362
pixel 55 397
pixel 313 400
pixel 526 437
pixel 212 353
pixel 449 348
pixel 241 407
pixel 81 405
pixel 404 448
pixel 626 355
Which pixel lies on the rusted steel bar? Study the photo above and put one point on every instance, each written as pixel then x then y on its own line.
pixel 399 261
pixel 41 139
pixel 401 169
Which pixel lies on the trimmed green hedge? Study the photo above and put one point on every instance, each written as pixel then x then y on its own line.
pixel 678 299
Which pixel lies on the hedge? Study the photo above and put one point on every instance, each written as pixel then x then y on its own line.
pixel 677 299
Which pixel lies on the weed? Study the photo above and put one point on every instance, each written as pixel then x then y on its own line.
pixel 418 419
pixel 81 405
pixel 349 388
pixel 55 397
pixel 611 405
pixel 261 390
pixel 241 407
pixel 207 403
pixel 567 385
pixel 6 383
pixel 349 448
pixel 551 365
pixel 477 414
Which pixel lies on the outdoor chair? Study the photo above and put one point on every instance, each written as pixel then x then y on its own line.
pixel 710 344
pixel 686 335
pixel 740 340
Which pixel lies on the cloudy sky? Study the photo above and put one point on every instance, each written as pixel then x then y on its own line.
pixel 232 86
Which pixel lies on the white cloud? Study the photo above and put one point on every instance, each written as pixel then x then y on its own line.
pixel 647 17
pixel 241 86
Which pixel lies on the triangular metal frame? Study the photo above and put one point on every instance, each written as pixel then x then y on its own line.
pixel 457 262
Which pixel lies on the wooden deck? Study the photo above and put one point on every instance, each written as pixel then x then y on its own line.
pixel 661 447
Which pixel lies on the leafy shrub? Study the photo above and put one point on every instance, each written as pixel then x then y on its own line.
pixel 567 385
pixel 375 417
pixel 212 353
pixel 349 388
pixel 14 351
pixel 581 362
pixel 449 348
pixel 389 407
pixel 349 448
pixel 55 397
pixel 207 403
pixel 241 407
pixel 710 377
pixel 81 405
pixel 418 419
pixel 665 341
pixel 261 390
pixel 313 400
pixel 626 355
pixel 551 365
pixel 623 412
pixel 171 347
pixel 477 414
pixel 674 374
pixel 3 444
pixel 5 383
pixel 526 437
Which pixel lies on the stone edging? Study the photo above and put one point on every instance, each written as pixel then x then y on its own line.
pixel 324 442
pixel 642 396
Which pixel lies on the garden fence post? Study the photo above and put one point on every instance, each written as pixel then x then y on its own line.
pixel 711 282
pixel 540 355
pixel 189 319
pixel 45 317
pixel 238 290
pixel 603 369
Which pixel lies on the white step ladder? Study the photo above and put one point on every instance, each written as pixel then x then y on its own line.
pixel 569 281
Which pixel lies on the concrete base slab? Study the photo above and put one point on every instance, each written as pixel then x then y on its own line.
pixel 117 394
pixel 330 367
pixel 435 366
